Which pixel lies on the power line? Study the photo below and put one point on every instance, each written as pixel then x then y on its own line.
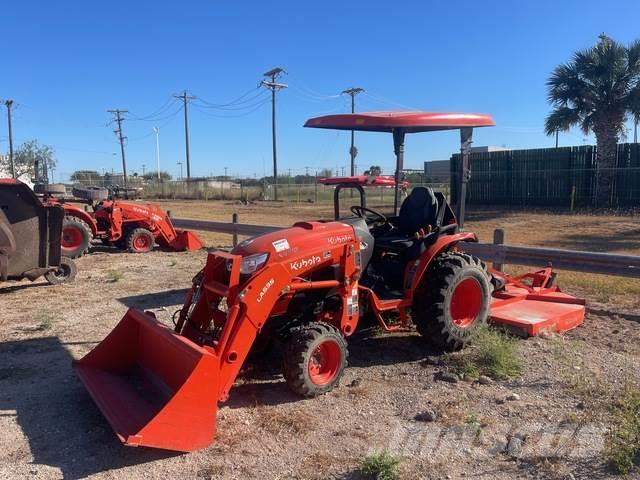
pixel 272 85
pixel 241 105
pixel 185 101
pixel 244 114
pixel 151 117
pixel 119 119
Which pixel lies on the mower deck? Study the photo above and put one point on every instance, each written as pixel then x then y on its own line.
pixel 530 309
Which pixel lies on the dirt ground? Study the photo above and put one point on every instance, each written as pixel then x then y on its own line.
pixel 559 405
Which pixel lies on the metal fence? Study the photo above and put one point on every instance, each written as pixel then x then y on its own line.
pixel 287 192
pixel 558 177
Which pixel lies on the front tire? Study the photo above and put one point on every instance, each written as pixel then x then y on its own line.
pixel 140 240
pixel 314 359
pixel 453 300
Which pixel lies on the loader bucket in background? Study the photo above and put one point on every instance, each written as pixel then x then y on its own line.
pixel 186 240
pixel 156 388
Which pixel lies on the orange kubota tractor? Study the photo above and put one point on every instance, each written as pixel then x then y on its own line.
pixel 134 226
pixel 307 285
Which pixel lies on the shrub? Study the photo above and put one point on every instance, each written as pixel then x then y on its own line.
pixel 490 352
pixel 380 466
pixel 623 443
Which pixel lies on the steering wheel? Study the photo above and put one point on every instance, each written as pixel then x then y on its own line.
pixel 372 217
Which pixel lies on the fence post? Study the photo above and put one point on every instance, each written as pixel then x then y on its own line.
pixel 234 220
pixel 498 239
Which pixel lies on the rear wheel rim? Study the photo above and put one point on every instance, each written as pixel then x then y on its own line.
pixel 466 302
pixel 324 363
pixel 72 238
pixel 141 242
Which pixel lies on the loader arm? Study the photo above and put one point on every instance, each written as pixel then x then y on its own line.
pixel 227 316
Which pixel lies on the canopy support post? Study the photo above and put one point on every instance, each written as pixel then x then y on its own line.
pixel 398 148
pixel 466 139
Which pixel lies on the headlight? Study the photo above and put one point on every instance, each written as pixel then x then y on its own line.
pixel 251 263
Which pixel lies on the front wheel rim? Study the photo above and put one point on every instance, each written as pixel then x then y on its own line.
pixel 324 362
pixel 141 242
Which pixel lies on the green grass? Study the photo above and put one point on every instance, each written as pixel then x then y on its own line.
pixel 380 466
pixel 115 275
pixel 623 443
pixel 490 352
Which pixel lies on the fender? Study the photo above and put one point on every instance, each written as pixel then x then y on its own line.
pixel 73 211
pixel 416 270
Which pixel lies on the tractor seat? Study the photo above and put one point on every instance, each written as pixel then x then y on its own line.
pixel 418 210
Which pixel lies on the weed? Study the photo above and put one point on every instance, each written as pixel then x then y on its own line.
pixel 45 321
pixel 115 275
pixel 380 466
pixel 472 419
pixel 491 353
pixel 623 443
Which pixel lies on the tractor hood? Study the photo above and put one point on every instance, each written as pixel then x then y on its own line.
pixel 312 237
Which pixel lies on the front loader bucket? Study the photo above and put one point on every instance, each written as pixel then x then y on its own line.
pixel 156 388
pixel 186 240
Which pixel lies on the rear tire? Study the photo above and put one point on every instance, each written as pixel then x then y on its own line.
pixel 314 359
pixel 453 300
pixel 65 273
pixel 76 237
pixel 140 240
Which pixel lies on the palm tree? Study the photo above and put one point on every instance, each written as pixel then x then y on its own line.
pixel 597 91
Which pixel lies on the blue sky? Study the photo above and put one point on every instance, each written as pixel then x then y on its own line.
pixel 67 62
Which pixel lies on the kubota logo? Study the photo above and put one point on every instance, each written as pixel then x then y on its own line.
pixel 338 239
pixel 265 289
pixel 305 262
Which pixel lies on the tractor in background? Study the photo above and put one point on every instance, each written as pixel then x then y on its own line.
pixel 133 226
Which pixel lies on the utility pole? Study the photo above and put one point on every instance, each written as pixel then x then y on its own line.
pixel 9 104
pixel 557 138
pixel 157 132
pixel 143 170
pixel 119 119
pixel 185 100
pixel 274 86
pixel 635 131
pixel 180 163
pixel 352 92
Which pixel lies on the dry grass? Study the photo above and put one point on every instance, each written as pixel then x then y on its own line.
pixel 277 420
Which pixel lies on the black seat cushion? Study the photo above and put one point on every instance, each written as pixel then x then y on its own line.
pixel 417 211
